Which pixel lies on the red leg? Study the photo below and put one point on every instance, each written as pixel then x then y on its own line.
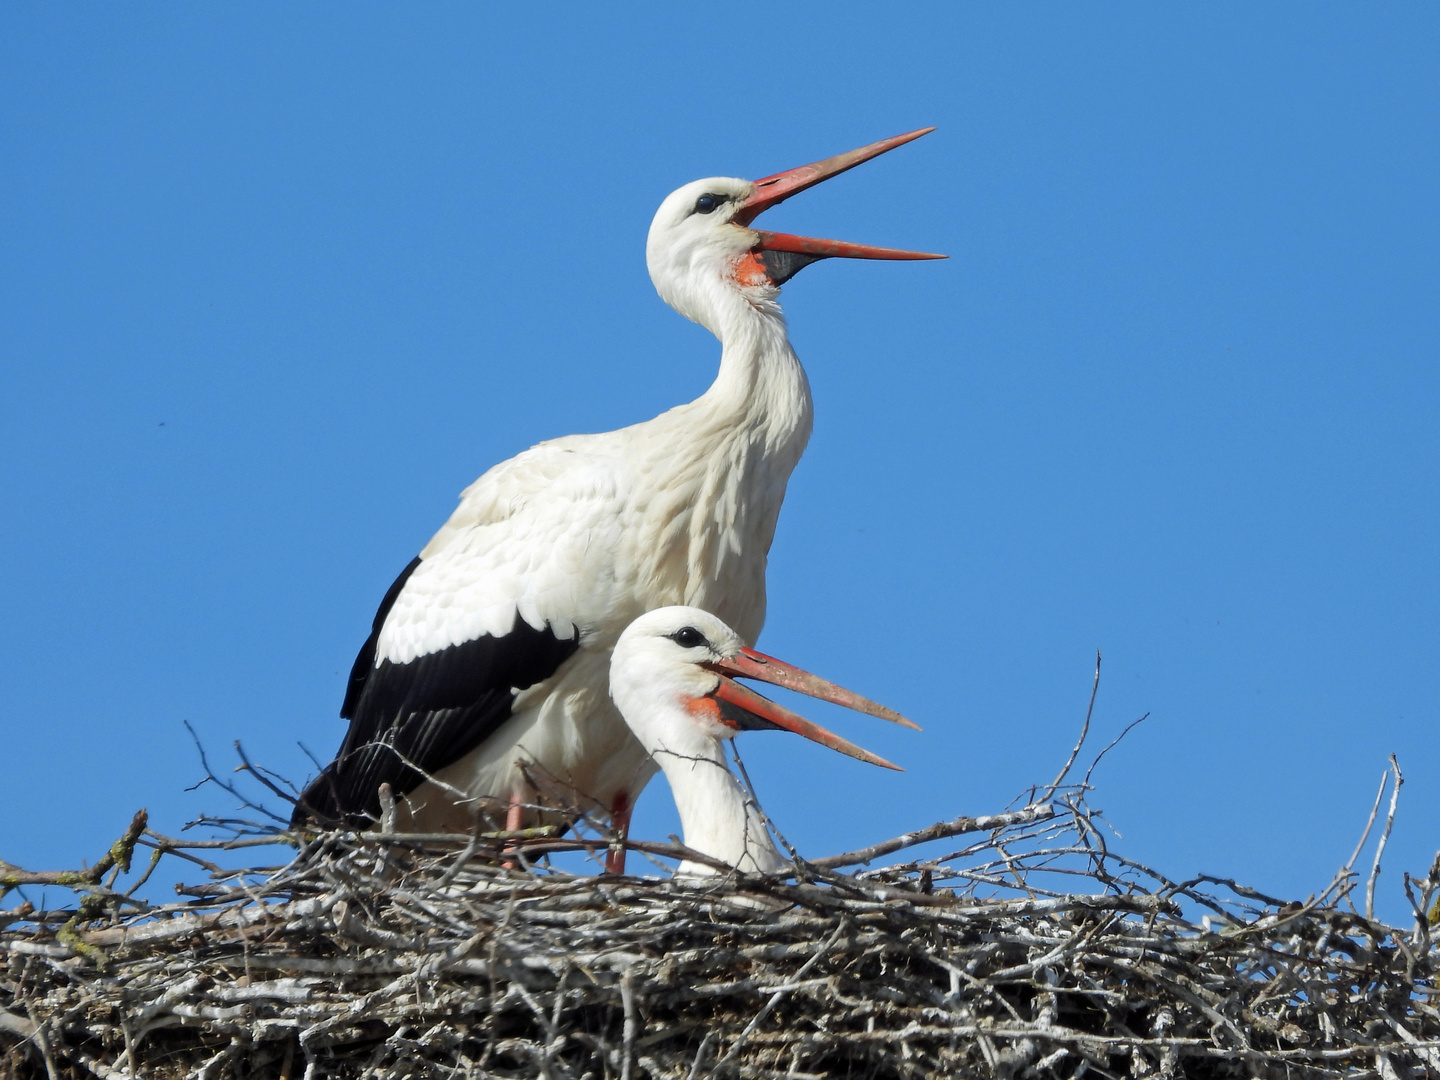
pixel 515 818
pixel 620 822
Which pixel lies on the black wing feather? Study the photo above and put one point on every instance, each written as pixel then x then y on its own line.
pixel 365 661
pixel 408 720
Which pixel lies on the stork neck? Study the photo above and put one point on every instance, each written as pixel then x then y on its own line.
pixel 716 815
pixel 760 376
pixel 718 467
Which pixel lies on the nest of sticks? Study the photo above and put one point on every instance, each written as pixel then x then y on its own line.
pixel 1027 949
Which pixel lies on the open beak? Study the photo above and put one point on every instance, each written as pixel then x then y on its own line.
pixel 742 707
pixel 773 190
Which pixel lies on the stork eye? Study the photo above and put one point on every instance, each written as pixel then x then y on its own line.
pixel 688 637
pixel 706 204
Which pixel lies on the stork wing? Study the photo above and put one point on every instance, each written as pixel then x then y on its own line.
pixel 494 604
pixel 409 720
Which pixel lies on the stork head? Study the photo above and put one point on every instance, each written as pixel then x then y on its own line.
pixel 701 246
pixel 673 673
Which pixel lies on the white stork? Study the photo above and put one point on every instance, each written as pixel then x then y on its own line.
pixel 488 658
pixel 672 676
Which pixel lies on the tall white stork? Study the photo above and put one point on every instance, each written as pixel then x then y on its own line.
pixel 672 676
pixel 488 658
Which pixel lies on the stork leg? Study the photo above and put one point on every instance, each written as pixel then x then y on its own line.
pixel 515 813
pixel 620 822
pixel 515 817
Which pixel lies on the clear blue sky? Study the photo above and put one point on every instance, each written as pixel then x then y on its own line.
pixel 279 280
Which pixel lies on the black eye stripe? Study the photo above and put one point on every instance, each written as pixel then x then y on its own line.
pixel 707 203
pixel 687 637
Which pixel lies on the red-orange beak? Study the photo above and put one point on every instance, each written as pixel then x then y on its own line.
pixel 773 190
pixel 743 708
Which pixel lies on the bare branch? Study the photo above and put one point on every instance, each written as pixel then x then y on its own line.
pixel 1084 731
pixel 938 831
pixel 1398 780
pixel 1111 746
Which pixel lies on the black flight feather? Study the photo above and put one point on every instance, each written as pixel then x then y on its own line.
pixel 365 661
pixel 407 720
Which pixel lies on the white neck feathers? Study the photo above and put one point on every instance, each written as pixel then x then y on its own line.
pixel 717 817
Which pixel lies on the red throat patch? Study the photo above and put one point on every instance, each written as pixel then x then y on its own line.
pixel 707 708
pixel 750 270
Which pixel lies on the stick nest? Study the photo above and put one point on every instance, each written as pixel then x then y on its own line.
pixel 1033 951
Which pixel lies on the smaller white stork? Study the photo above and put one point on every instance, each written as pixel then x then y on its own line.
pixel 672 677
